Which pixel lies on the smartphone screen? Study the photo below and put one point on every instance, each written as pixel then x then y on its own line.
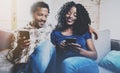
pixel 24 33
pixel 71 40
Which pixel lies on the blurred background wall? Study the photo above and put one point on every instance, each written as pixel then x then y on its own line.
pixel 105 14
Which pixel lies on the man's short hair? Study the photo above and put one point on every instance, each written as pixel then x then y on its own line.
pixel 39 4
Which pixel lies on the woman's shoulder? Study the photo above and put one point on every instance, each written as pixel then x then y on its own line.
pixel 87 35
pixel 56 32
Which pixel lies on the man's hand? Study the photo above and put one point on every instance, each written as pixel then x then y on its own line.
pixel 93 31
pixel 23 42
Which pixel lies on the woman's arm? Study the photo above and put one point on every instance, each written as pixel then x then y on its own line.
pixel 91 53
pixel 55 40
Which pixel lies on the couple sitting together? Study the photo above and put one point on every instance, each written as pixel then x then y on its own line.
pixel 67 49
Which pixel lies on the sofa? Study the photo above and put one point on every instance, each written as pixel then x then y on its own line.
pixel 103 45
pixel 108 51
pixel 5 42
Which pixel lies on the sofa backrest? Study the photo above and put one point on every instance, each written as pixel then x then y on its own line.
pixel 115 44
pixel 102 44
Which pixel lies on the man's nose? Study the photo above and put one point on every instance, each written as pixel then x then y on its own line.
pixel 44 18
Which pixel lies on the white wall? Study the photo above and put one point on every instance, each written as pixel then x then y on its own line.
pixel 23 12
pixel 110 17
pixel 92 7
pixel 109 13
pixel 5 14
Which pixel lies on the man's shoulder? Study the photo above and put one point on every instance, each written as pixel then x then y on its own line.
pixel 28 26
pixel 48 25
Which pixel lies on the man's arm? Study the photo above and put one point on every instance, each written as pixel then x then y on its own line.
pixel 11 46
pixel 94 32
pixel 15 51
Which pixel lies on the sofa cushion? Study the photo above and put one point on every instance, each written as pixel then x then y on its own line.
pixel 111 61
pixel 5 65
pixel 102 44
pixel 103 70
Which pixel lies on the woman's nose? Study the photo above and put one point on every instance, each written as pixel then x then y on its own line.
pixel 71 15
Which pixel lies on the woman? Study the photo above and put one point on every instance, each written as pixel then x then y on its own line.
pixel 78 54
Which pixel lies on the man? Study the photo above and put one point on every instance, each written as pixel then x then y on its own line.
pixel 38 57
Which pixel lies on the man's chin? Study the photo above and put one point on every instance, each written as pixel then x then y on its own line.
pixel 40 26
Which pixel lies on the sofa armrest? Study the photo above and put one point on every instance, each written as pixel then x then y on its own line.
pixel 102 44
pixel 115 44
pixel 5 39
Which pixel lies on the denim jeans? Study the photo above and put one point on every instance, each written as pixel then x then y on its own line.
pixel 19 68
pixel 79 65
pixel 42 59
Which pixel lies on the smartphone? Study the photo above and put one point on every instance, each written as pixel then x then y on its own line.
pixel 24 33
pixel 71 40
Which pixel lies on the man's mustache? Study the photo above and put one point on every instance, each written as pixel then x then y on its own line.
pixel 42 21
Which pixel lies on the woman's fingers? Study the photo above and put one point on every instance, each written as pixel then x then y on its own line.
pixel 75 45
pixel 63 43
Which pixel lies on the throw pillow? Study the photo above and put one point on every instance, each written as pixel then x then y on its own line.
pixel 111 61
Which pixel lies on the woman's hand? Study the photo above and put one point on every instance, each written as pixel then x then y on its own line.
pixel 91 53
pixel 76 47
pixel 63 44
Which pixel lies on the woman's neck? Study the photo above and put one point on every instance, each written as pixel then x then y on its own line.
pixel 68 32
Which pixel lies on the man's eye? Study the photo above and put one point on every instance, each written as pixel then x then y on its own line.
pixel 39 14
pixel 46 16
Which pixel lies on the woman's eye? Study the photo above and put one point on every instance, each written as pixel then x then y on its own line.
pixel 75 15
pixel 68 13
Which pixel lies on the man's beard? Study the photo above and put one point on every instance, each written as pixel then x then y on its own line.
pixel 39 24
